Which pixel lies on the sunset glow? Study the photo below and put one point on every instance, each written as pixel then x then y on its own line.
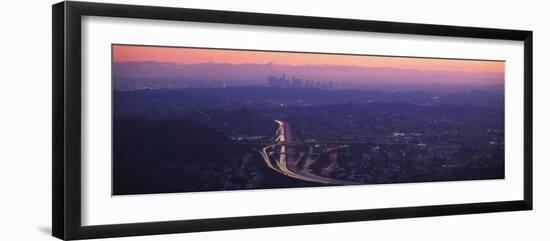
pixel 125 53
pixel 199 119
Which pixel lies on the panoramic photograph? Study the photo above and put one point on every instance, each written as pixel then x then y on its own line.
pixel 188 119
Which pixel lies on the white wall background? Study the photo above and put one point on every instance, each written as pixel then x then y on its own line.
pixel 25 123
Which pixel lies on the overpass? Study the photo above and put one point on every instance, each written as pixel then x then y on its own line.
pixel 287 163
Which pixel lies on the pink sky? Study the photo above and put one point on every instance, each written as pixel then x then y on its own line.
pixel 338 67
pixel 123 53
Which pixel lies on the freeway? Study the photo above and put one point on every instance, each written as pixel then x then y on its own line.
pixel 287 163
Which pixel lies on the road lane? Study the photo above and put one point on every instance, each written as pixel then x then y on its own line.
pixel 287 164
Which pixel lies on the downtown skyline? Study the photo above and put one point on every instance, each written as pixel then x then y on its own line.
pixel 253 67
pixel 191 119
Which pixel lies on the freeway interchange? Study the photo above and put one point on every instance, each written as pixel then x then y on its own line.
pixel 281 157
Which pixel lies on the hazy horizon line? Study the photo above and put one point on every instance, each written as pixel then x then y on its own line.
pixel 299 65
pixel 194 55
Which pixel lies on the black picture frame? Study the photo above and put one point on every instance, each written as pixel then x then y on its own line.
pixel 67 134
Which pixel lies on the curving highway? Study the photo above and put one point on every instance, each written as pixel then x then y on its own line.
pixel 287 163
